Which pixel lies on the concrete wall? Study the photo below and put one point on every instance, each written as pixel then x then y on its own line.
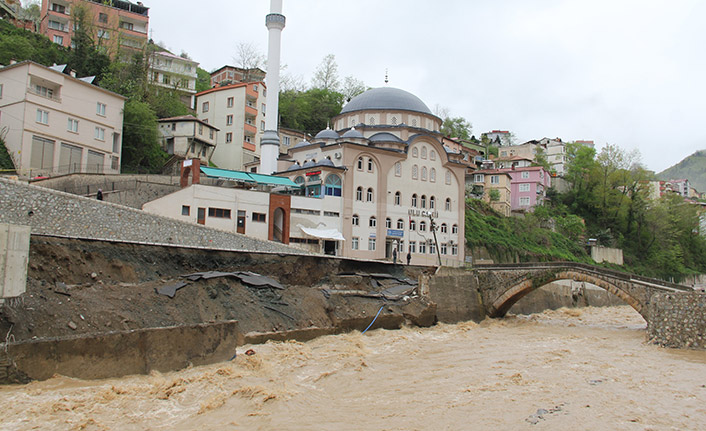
pixel 14 255
pixel 122 353
pixel 49 212
pixel 606 254
pixel 677 320
pixel 456 295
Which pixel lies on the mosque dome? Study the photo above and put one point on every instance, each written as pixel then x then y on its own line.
pixel 327 134
pixel 303 143
pixel 386 98
pixel 352 133
pixel 309 164
pixel 325 162
pixel 385 137
pixel 294 167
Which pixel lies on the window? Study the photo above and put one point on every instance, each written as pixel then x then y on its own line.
pixel 424 201
pixel 229 120
pixel 262 129
pixel 103 17
pixel 258 217
pixel 415 152
pixel 263 109
pixel 43 91
pixel 56 25
pixel 200 129
pixel 369 195
pixel 254 88
pixel 398 197
pixel 166 79
pixel 415 172
pixel 372 222
pixel 478 178
pixel 422 226
pixel 204 107
pixel 447 206
pixel 371 244
pixel 58 8
pixel 103 34
pixel 454 249
pixel 219 212
pixel 424 173
pixel 370 165
pixel 359 194
pixel 355 220
pixel 388 223
pixel 42 116
pixel 432 202
pixel 58 39
pixel 398 169
pixel 424 152
pixel 229 137
pixel 360 163
pixel 432 155
pixel 412 225
pixel 185 210
pixel 354 243
pixel 210 133
pixel 100 109
pixel 230 102
pixel 448 177
pixel 114 163
pixel 524 187
pixel 422 247
pixel 99 134
pixel 72 125
pixel 444 228
pixel 454 228
pixel 393 121
pixel 413 246
pixel 524 201
pixel 525 175
pixel 432 175
pixel 127 25
pixel 332 186
pixel 494 179
pixel 372 121
pixel 414 200
pixel 432 248
pixel 400 224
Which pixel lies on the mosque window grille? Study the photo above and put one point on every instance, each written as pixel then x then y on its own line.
pixel 415 172
pixel 424 173
pixel 432 175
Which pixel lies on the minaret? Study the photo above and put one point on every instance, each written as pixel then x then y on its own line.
pixel 269 144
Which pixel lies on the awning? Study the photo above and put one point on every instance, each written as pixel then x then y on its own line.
pixel 333 234
pixel 248 177
pixel 273 180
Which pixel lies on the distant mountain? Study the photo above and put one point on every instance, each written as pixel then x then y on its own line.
pixel 692 168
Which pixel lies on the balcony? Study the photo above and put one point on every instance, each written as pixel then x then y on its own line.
pixel 250 129
pixel 250 111
pixel 249 146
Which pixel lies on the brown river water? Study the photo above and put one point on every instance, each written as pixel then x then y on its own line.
pixel 577 369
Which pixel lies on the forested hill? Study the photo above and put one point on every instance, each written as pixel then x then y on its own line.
pixel 692 168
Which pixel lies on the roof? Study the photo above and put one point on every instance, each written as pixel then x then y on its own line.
pixel 229 86
pixel 169 54
pixel 247 177
pixel 386 98
pixel 186 118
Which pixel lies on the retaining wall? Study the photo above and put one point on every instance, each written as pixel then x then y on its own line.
pixel 677 320
pixel 51 212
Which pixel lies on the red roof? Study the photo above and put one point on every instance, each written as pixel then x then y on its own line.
pixel 229 86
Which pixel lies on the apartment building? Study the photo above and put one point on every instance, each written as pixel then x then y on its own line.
pixel 121 27
pixel 56 123
pixel 494 187
pixel 555 153
pixel 187 137
pixel 232 75
pixel 238 111
pixel 174 72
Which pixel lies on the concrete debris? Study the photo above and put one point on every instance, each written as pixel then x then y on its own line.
pixel 170 290
pixel 72 325
pixel 245 277
pixel 61 288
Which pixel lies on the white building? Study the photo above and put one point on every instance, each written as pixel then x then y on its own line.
pixel 555 152
pixel 174 72
pixel 187 137
pixel 56 123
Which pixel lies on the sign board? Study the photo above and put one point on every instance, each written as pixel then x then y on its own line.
pixel 397 233
pixel 423 213
pixel 308 174
pixel 188 163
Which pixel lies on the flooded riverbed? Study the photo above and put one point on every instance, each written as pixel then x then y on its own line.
pixel 579 369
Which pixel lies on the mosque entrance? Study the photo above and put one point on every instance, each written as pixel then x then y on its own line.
pixel 278 225
pixel 330 247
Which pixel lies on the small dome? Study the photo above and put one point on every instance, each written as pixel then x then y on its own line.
pixel 325 162
pixel 353 134
pixel 327 134
pixel 303 143
pixel 309 164
pixel 385 137
pixel 294 167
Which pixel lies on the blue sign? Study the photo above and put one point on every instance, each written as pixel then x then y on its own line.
pixel 398 233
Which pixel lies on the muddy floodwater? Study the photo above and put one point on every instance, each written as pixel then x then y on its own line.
pixel 577 369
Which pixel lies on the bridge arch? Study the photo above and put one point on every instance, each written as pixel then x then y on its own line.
pixel 528 283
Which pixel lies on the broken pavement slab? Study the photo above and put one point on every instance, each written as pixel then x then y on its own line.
pixel 170 290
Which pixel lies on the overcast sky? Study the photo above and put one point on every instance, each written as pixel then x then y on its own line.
pixel 624 72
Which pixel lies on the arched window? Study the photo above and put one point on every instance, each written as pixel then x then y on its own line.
pixel 355 220
pixel 398 198
pixel 422 226
pixel 447 207
pixel 415 172
pixel 448 177
pixel 414 200
pixel 372 121
pixel 424 173
pixel 393 121
pixel 400 224
pixel 359 194
pixel 432 202
pixel 299 180
pixel 432 155
pixel 412 225
pixel 360 163
pixel 332 186
pixel 432 175
pixel 424 152
pixel 444 228
pixel 373 222
pixel 415 152
pixel 369 195
pixel 388 223
pixel 414 122
pixel 454 228
pixel 370 165
pixel 398 169
pixel 424 201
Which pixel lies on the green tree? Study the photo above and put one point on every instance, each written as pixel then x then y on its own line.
pixel 540 159
pixel 19 45
pixel 456 127
pixel 203 80
pixel 310 110
pixel 352 87
pixel 141 149
pixel 86 58
pixel 326 75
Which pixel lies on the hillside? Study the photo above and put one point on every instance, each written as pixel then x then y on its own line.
pixel 692 168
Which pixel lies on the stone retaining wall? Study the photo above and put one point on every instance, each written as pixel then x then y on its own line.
pixel 55 213
pixel 677 320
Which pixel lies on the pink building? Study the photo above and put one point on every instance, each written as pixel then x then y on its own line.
pixel 528 187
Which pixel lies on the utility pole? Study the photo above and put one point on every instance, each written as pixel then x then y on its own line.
pixel 432 226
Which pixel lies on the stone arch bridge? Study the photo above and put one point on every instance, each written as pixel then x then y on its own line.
pixel 502 285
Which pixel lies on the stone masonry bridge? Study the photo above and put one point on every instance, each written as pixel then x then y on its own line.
pixel 502 285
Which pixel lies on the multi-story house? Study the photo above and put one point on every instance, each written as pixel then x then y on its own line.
pixel 499 137
pixel 231 75
pixel 528 150
pixel 528 187
pixel 494 187
pixel 238 111
pixel 119 26
pixel 657 189
pixel 512 162
pixel 187 137
pixel 555 153
pixel 56 123
pixel 174 72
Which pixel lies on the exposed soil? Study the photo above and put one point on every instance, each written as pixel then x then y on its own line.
pixel 91 287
